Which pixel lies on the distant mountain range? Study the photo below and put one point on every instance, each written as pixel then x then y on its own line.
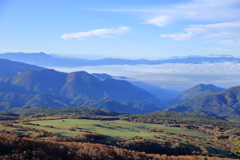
pixel 47 87
pixel 78 84
pixel 225 104
pixel 23 85
pixel 11 68
pixel 48 60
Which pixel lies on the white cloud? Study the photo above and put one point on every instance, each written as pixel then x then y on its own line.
pixel 225 14
pixel 217 30
pixel 173 76
pixel 160 20
pixel 219 26
pixel 203 10
pixel 232 42
pixel 223 30
pixel 179 37
pixel 99 33
pixel 214 10
pixel 223 10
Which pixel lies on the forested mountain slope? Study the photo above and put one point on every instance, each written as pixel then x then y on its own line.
pixel 79 84
pixel 225 104
pixel 194 92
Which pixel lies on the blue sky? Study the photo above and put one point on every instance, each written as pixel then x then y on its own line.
pixel 150 29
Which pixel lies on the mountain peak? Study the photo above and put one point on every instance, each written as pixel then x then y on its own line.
pixel 42 53
pixel 194 92
pixel 222 104
pixel 102 76
pixel 205 87
pixel 82 75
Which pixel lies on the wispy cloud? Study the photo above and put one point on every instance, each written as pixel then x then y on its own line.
pixel 225 14
pixel 99 33
pixel 205 10
pixel 160 20
pixel 225 11
pixel 181 36
pixel 218 10
pixel 223 30
pixel 232 42
pixel 218 30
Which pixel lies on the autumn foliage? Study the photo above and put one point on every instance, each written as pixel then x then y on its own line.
pixel 13 147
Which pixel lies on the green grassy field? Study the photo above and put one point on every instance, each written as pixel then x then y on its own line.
pixel 114 130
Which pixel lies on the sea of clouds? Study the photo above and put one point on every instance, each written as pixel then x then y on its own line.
pixel 177 76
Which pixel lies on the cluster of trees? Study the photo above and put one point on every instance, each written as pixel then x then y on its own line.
pixel 12 147
pixel 165 117
pixel 195 141
pixel 156 147
pixel 7 117
pixel 43 116
pixel 224 137
pixel 64 111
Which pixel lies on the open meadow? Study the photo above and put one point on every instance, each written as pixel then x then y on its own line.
pixel 114 130
pixel 156 138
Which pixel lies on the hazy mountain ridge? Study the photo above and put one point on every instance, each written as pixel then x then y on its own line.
pixel 158 92
pixel 142 107
pixel 79 84
pixel 225 104
pixel 11 68
pixel 161 93
pixel 47 87
pixel 47 60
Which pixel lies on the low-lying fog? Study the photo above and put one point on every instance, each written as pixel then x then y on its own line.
pixel 175 76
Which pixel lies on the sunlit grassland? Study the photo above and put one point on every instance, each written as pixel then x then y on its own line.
pixel 113 130
pixel 119 130
pixel 168 129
